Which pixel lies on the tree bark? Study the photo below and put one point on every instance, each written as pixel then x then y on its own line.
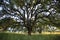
pixel 29 30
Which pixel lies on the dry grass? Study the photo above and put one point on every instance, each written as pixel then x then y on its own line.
pixel 25 33
pixel 50 32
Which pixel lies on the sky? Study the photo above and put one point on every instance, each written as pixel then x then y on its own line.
pixel 1 8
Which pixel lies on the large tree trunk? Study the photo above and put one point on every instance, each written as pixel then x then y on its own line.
pixel 29 30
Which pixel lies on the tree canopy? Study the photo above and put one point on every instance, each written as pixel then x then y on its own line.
pixel 31 12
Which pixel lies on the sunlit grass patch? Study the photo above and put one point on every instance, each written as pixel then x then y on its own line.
pixel 50 32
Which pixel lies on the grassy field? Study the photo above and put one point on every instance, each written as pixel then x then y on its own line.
pixel 12 36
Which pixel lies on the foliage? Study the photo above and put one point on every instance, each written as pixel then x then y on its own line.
pixel 8 22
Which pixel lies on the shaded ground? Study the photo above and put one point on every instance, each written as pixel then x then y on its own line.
pixel 14 36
